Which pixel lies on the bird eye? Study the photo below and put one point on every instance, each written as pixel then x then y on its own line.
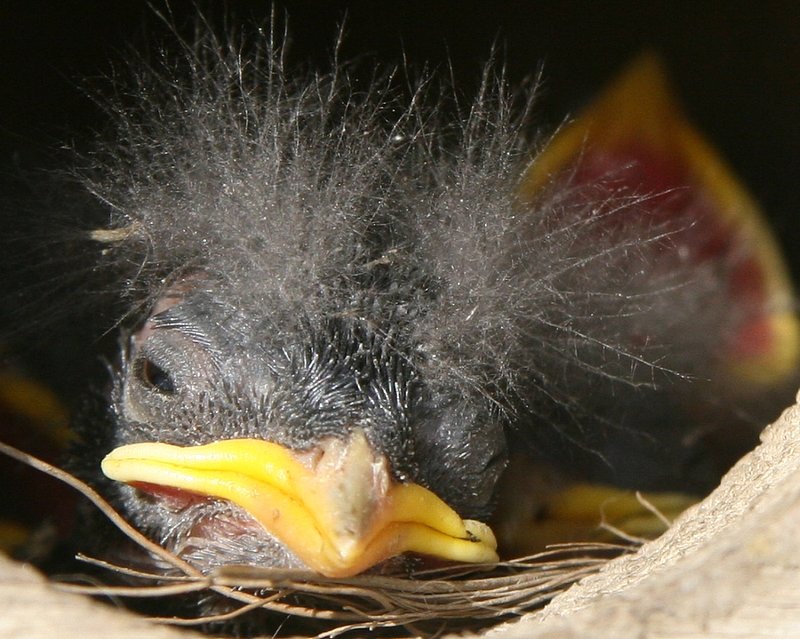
pixel 155 377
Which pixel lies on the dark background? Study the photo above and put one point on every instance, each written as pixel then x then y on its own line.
pixel 736 66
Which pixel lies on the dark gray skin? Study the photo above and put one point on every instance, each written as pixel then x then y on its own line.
pixel 316 260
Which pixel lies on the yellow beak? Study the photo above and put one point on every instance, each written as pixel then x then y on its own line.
pixel 336 507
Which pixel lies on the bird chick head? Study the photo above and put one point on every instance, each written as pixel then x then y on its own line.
pixel 324 449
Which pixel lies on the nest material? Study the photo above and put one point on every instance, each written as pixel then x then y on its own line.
pixel 424 603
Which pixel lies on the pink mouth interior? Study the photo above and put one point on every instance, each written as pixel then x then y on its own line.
pixel 210 527
pixel 174 498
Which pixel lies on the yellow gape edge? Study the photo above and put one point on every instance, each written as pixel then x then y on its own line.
pixel 339 511
pixel 639 107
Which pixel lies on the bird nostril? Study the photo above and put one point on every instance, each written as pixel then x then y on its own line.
pixel 155 377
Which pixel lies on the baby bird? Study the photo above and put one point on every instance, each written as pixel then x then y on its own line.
pixel 359 313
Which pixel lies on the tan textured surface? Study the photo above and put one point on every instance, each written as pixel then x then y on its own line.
pixel 30 608
pixel 730 567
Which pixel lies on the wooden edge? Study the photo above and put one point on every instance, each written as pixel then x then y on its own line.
pixel 30 608
pixel 730 566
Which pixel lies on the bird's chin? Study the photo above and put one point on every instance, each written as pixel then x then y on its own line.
pixel 214 534
pixel 210 533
